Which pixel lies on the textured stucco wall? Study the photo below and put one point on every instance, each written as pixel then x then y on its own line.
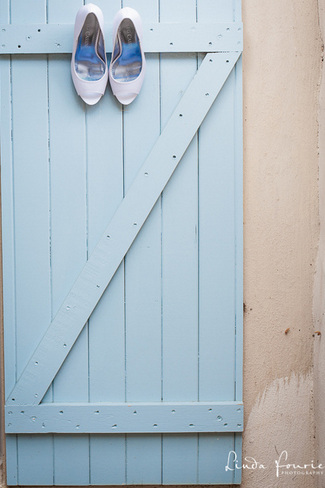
pixel 319 293
pixel 282 63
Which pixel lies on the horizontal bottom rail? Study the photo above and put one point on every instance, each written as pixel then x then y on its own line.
pixel 122 418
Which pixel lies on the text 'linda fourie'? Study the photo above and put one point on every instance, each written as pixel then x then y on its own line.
pixel 282 466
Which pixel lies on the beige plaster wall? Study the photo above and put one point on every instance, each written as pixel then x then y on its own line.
pixel 282 63
pixel 319 292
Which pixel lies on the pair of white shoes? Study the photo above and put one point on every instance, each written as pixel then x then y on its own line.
pixel 89 68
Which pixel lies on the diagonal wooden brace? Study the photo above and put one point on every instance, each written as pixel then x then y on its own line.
pixel 123 229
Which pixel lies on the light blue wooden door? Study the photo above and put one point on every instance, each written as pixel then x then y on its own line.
pixel 122 252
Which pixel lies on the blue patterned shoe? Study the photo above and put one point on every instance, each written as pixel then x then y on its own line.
pixel 127 68
pixel 89 64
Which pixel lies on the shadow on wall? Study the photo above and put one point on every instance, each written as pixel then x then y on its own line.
pixel 273 437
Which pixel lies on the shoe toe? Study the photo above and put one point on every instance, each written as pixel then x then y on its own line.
pixel 126 98
pixel 91 98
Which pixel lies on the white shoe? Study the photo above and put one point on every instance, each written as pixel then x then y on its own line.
pixel 89 64
pixel 128 64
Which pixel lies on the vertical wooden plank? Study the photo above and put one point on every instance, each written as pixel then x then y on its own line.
pixel 217 202
pixel 217 257
pixel 63 10
pixel 8 254
pixel 107 458
pixel 180 459
pixel 31 221
pixel 239 226
pixel 34 14
pixel 239 237
pixel 143 458
pixel 35 460
pixel 143 272
pixel 239 218
pixel 12 460
pixel 29 91
pixel 239 451
pixel 237 10
pixel 8 245
pixel 217 250
pixel 68 165
pixel 213 456
pixel 106 324
pixel 7 206
pixel 143 319
pixel 218 10
pixel 8 251
pixel 179 263
pixel 71 462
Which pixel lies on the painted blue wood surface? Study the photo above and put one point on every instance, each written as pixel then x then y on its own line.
pixel 166 328
pixel 57 38
pixel 179 262
pixel 129 417
pixel 122 230
pixel 143 274
pixel 30 221
pixel 68 241
pixel 222 168
pixel 106 324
